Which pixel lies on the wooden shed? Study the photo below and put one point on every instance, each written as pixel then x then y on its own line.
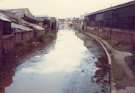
pixel 6 36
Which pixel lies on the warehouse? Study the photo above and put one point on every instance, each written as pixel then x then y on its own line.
pixel 121 16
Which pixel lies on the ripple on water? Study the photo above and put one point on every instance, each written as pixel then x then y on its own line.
pixel 67 68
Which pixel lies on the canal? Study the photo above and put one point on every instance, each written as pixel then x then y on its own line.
pixel 66 66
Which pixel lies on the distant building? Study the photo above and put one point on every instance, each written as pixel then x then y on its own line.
pixel 120 16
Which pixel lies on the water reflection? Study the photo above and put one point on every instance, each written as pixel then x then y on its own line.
pixel 7 70
pixel 67 68
pixel 9 63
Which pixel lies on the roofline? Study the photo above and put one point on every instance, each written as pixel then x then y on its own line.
pixel 113 8
pixel 6 20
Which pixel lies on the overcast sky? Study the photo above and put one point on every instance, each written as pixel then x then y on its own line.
pixel 60 8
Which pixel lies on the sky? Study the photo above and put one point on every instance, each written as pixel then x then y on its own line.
pixel 60 8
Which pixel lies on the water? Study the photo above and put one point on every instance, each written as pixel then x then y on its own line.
pixel 66 68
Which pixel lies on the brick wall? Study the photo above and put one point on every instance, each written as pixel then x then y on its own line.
pixel 9 42
pixel 122 39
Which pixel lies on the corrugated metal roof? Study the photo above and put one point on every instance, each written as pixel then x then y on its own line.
pixel 17 26
pixel 113 8
pixel 42 18
pixel 20 12
pixel 4 17
pixel 11 16
pixel 34 26
pixel 37 27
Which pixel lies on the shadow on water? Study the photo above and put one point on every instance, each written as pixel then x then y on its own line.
pixel 9 62
pixel 7 70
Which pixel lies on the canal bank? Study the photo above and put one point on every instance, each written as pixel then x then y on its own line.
pixel 68 67
pixel 103 74
pixel 122 75
pixel 28 48
pixel 20 32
